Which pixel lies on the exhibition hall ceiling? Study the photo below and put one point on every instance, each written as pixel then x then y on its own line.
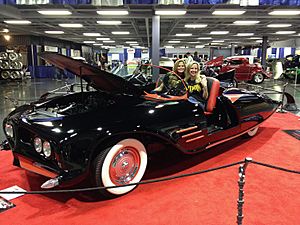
pixel 192 26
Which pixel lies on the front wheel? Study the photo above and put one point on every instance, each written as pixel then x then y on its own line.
pixel 123 163
pixel 258 78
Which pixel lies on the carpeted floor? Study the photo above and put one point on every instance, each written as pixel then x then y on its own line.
pixel 271 196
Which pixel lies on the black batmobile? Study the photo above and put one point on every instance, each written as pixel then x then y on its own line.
pixel 103 133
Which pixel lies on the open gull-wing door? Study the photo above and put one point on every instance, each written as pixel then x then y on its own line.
pixel 97 78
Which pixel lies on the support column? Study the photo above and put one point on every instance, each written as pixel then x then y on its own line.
pixel 211 53
pixel 232 50
pixel 264 52
pixel 155 45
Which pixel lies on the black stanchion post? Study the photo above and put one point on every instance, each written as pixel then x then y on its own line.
pixel 241 183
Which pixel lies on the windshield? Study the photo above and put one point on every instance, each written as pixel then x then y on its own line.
pixel 167 85
pixel 124 70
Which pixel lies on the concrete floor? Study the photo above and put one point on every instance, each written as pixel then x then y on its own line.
pixel 18 93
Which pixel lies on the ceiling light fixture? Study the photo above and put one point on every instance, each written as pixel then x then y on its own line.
pixel 131 42
pixel 120 32
pixel 7 37
pixel 244 34
pixel 279 25
pixel 228 12
pixel 54 32
pixel 17 22
pixel 103 39
pixel 110 22
pixel 110 41
pixel 285 32
pixel 89 42
pixel 219 32
pixel 218 41
pixel 204 38
pixel 195 25
pixel 284 12
pixel 92 34
pixel 54 12
pixel 113 12
pixel 97 44
pixel 168 46
pixel 70 25
pixel 183 35
pixel 199 46
pixel 170 12
pixel 212 44
pixel 246 22
pixel 255 38
pixel 174 42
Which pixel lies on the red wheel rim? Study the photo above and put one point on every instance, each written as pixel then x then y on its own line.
pixel 124 165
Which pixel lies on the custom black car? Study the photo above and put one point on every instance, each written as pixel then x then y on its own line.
pixel 103 134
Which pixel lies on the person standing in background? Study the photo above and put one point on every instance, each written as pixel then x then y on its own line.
pixel 196 57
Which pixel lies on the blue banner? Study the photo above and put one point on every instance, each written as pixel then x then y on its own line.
pixel 280 2
pixel 137 2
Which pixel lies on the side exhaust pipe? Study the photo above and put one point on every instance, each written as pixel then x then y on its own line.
pixel 52 183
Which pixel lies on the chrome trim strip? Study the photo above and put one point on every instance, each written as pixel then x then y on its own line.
pixel 186 129
pixel 194 139
pixel 191 134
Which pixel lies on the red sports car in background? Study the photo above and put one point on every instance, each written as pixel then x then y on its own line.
pixel 244 71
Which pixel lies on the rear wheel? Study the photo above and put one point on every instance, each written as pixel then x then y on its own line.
pixel 258 78
pixel 123 163
pixel 252 132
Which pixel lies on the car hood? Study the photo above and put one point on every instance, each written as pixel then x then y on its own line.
pixel 97 78
pixel 215 62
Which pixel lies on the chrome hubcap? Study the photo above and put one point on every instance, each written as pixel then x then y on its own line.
pixel 124 166
pixel 258 78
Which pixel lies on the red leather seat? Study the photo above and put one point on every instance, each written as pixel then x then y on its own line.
pixel 213 86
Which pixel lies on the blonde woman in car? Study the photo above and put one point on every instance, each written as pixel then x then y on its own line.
pixel 197 83
pixel 170 78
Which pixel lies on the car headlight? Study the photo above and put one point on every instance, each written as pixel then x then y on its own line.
pixel 38 146
pixel 9 131
pixel 47 149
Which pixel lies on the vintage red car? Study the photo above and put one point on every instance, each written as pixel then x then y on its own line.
pixel 244 70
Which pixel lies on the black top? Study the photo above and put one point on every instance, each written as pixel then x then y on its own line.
pixel 195 90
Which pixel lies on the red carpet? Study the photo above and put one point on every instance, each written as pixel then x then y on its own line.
pixel 271 196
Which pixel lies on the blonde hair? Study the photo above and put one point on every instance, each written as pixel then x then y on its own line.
pixel 176 65
pixel 188 75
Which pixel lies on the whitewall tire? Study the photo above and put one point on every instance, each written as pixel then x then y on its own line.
pixel 123 163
